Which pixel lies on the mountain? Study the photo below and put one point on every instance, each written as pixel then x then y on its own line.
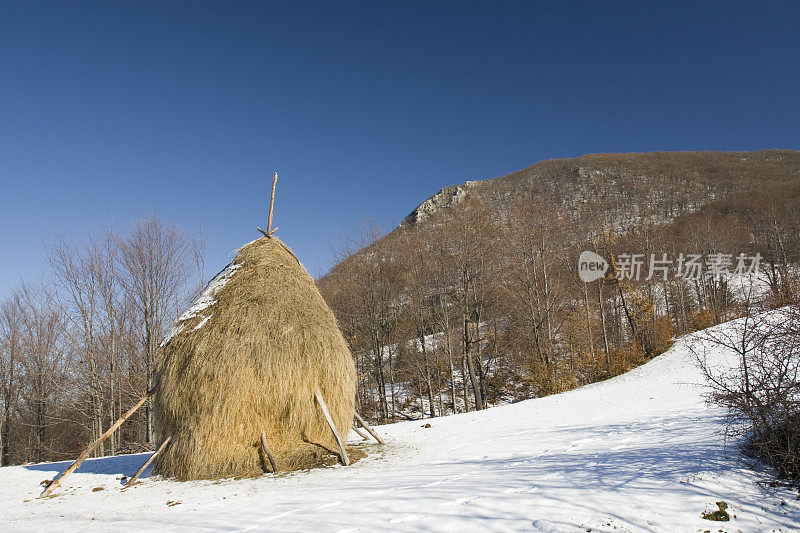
pixel 491 267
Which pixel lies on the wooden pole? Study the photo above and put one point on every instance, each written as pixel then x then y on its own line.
pixel 271 205
pixel 93 446
pixel 366 426
pixel 339 442
pixel 271 459
pixel 360 433
pixel 138 473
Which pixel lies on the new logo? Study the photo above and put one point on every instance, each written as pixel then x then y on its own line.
pixel 591 266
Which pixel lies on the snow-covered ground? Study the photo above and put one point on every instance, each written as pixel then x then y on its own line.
pixel 640 452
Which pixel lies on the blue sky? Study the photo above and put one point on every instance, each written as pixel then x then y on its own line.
pixel 111 109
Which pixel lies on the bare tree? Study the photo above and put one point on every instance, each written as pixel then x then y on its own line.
pixel 440 278
pixel 106 255
pixel 533 284
pixel 154 276
pixel 471 242
pixel 10 361
pixel 419 297
pixel 44 367
pixel 78 274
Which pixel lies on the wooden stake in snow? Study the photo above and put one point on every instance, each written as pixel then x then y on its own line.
pixel 270 231
pixel 93 446
pixel 138 473
pixel 339 442
pixel 360 433
pixel 371 431
pixel 268 453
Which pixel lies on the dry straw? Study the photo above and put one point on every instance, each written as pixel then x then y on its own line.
pixel 255 364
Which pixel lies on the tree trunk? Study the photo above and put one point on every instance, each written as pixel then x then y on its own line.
pixel 588 320
pixel 464 382
pixel 603 322
pixel 470 363
pixel 391 384
pixel 449 344
pixel 380 380
pixel 5 433
pixel 426 365
pixel 3 438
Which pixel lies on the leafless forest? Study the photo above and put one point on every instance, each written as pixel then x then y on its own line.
pixel 477 304
pixel 77 347
pixel 493 277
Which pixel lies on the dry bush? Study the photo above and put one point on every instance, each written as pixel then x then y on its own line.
pixel 659 335
pixel 762 393
pixel 701 319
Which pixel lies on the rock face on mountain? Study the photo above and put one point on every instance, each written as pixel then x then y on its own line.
pixel 630 189
pixel 445 198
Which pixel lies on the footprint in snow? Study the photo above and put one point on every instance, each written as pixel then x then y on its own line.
pixel 330 504
pixel 407 518
pixel 459 501
pixel 521 490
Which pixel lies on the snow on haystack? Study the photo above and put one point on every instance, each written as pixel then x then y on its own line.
pixel 202 322
pixel 204 301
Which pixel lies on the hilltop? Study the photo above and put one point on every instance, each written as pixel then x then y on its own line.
pixel 657 185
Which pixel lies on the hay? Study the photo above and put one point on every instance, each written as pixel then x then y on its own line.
pixel 255 363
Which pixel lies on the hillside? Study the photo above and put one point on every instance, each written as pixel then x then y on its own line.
pixel 640 452
pixel 492 266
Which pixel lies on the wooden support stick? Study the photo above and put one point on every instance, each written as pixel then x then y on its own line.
pixel 360 433
pixel 366 426
pixel 93 446
pixel 265 233
pixel 339 442
pixel 139 472
pixel 271 205
pixel 271 459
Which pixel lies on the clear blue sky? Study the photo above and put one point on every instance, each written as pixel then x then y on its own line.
pixel 110 109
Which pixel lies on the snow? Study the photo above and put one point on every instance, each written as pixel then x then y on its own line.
pixel 202 322
pixel 204 301
pixel 640 452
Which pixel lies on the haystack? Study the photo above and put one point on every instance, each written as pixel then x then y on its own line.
pixel 246 358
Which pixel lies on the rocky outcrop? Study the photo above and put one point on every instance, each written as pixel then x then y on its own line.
pixel 445 198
